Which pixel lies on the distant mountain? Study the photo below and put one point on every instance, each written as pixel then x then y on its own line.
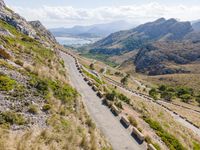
pixel 160 47
pixel 97 30
pixel 125 41
pixel 196 25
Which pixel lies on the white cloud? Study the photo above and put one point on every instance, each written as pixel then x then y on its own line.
pixel 68 16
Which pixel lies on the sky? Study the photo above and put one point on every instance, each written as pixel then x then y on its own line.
pixel 67 13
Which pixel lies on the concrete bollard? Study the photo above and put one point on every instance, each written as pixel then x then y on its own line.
pixel 139 135
pixel 151 147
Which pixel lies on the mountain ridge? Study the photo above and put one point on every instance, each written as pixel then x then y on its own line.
pixel 124 41
pixel 96 30
pixel 152 57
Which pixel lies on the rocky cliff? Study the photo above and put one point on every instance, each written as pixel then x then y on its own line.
pixel 42 31
pixel 167 57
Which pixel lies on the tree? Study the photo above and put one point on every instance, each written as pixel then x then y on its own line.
pixel 124 80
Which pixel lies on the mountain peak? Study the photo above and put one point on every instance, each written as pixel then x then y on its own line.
pixel 160 20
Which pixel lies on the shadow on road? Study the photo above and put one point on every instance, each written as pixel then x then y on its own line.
pixel 136 138
pixel 124 124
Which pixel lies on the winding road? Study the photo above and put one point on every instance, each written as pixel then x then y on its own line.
pixel 119 137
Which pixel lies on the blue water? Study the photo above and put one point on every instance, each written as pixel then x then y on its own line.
pixel 71 41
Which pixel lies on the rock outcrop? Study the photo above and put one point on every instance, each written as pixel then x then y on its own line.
pixel 33 29
pixel 16 20
pixel 42 31
pixel 167 57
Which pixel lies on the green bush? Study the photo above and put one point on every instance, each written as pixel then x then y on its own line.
pixel 153 93
pixel 19 62
pixel 65 93
pixel 39 84
pixel 6 83
pixel 33 109
pixel 46 107
pixel 167 95
pixel 162 88
pixel 186 98
pixel 123 98
pixel 11 118
pixel 184 90
pixel 111 96
pixel 168 139
pixel 61 91
pixel 119 104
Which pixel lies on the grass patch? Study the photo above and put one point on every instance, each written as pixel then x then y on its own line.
pixel 11 118
pixel 168 139
pixel 92 76
pixel 6 83
pixel 46 107
pixel 33 109
pixel 61 91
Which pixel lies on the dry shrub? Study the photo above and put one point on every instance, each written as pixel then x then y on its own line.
pixel 4 54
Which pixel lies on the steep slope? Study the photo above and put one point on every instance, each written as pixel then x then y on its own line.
pixel 125 41
pixel 42 31
pixel 38 107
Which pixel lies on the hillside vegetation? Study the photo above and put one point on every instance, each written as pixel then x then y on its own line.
pixel 38 107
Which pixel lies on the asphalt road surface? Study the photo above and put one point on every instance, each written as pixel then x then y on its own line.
pixel 119 137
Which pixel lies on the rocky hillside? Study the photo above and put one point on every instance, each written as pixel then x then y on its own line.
pixel 42 31
pixel 155 48
pixel 38 107
pixel 167 57
pixel 125 41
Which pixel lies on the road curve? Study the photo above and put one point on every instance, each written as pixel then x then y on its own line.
pixel 119 137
